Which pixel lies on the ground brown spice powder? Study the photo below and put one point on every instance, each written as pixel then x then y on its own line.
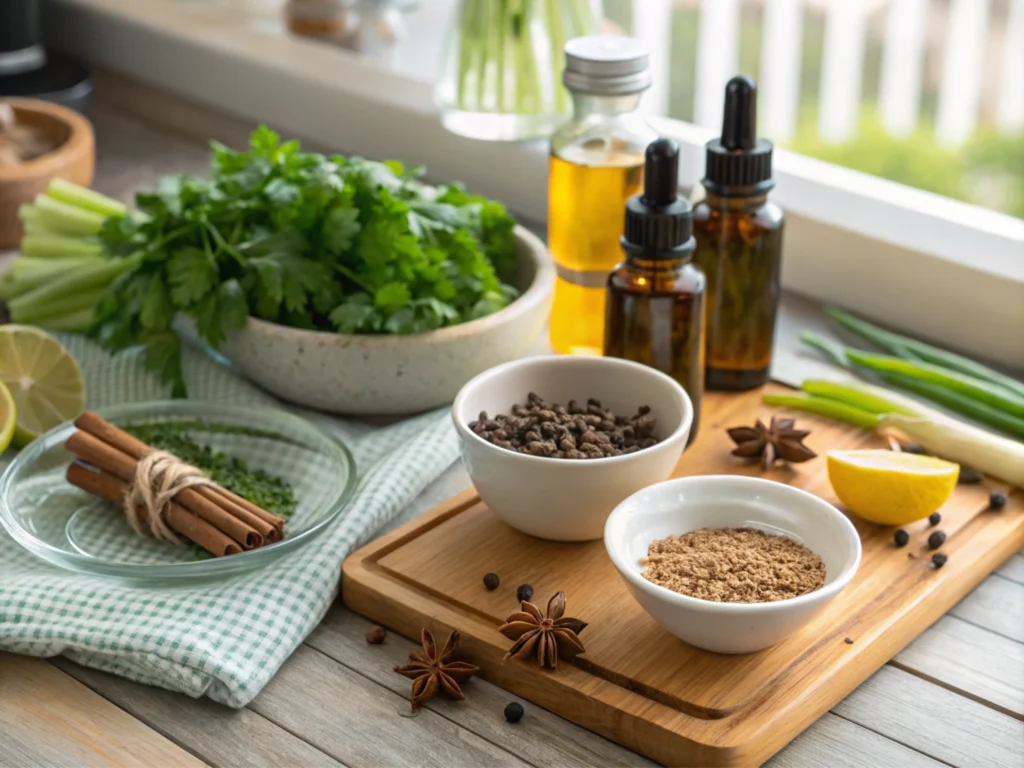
pixel 734 565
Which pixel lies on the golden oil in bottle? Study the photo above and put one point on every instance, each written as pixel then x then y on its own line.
pixel 596 165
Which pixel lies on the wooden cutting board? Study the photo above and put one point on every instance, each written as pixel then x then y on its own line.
pixel 639 685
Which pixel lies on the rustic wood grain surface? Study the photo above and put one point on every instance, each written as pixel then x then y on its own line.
pixel 953 697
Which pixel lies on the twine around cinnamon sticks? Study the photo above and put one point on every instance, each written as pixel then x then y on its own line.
pixel 216 519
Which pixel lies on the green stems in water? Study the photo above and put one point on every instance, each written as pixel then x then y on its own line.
pixel 504 64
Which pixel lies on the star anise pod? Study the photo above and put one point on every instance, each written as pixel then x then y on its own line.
pixel 432 670
pixel 778 441
pixel 545 637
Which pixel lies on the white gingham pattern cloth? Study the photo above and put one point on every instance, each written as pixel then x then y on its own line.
pixel 223 639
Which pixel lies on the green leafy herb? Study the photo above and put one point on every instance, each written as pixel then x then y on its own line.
pixel 262 489
pixel 328 243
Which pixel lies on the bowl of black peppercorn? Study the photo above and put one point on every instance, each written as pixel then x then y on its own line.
pixel 554 443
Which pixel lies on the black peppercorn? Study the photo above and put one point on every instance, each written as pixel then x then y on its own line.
pixel 934 518
pixel 524 593
pixel 514 712
pixel 901 538
pixel 848 641
pixel 939 559
pixel 969 476
pixel 376 635
pixel 996 500
pixel 936 539
pixel 491 581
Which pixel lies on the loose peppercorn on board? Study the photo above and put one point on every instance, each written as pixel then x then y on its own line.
pixel 640 686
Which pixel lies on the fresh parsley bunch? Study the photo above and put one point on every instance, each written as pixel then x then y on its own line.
pixel 327 243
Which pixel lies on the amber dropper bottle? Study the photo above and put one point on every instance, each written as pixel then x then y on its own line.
pixel 654 310
pixel 739 246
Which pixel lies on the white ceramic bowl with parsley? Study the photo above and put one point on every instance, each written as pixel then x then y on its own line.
pixel 396 374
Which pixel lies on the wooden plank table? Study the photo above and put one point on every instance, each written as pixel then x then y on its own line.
pixel 953 697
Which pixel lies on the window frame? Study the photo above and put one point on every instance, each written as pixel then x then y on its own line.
pixel 935 267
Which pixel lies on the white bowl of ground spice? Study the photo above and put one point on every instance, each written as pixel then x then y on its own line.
pixel 731 564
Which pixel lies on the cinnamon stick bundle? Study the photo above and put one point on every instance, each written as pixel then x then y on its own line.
pixel 195 512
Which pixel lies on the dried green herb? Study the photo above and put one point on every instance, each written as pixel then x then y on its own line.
pixel 262 489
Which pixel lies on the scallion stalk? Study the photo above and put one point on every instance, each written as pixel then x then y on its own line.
pixel 959 403
pixel 823 406
pixel 979 389
pixel 866 401
pixel 897 344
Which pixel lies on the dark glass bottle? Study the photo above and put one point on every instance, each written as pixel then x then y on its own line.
pixel 654 311
pixel 739 247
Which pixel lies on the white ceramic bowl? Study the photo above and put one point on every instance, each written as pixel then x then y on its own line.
pixel 569 499
pixel 730 501
pixel 390 375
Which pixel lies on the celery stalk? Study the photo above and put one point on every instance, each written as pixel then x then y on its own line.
pixel 66 218
pixel 82 197
pixel 28 273
pixel 38 314
pixel 58 246
pixel 895 343
pixel 75 321
pixel 74 281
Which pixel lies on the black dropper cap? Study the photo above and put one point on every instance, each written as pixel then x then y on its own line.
pixel 739 163
pixel 659 223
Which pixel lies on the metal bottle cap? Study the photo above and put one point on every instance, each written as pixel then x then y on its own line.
pixel 606 65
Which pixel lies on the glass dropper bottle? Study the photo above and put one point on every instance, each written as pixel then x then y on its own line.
pixel 655 302
pixel 739 246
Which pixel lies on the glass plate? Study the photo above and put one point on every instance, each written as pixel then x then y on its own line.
pixel 75 530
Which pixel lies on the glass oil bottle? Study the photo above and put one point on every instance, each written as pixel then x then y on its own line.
pixel 596 165
pixel 655 302
pixel 739 246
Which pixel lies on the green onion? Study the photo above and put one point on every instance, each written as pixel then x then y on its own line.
pixel 82 197
pixel 822 406
pixel 941 435
pixel 902 345
pixel 959 403
pixel 833 350
pixel 865 401
pixel 979 389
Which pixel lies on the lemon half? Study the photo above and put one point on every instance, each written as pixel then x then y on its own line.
pixel 889 487
pixel 43 379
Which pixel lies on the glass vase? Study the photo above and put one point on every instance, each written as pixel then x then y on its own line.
pixel 501 77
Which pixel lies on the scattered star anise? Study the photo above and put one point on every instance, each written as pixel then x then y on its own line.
pixel 545 637
pixel 432 670
pixel 778 441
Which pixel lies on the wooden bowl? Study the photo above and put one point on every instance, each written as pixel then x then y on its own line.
pixel 74 159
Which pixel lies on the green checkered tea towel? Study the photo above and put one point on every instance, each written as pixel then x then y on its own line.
pixel 222 639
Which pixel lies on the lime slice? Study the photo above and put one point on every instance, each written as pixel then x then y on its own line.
pixel 43 379
pixel 8 416
pixel 890 487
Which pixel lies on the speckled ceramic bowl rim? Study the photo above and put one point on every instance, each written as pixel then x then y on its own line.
pixel 679 431
pixel 539 289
